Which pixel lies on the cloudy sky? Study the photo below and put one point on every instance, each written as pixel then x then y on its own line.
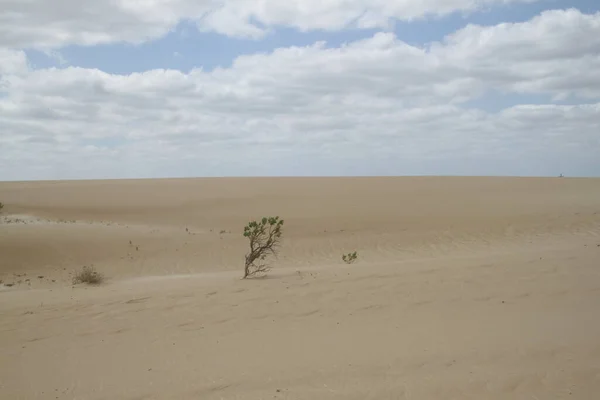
pixel 158 88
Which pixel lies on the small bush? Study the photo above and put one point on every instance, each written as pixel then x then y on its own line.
pixel 88 275
pixel 350 257
pixel 265 238
pixel 1 206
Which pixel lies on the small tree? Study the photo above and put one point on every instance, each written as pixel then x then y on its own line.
pixel 265 238
pixel 350 257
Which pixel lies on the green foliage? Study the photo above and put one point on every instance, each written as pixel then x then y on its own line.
pixel 264 239
pixel 1 206
pixel 350 257
pixel 88 275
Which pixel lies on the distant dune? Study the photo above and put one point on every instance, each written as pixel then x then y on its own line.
pixel 465 288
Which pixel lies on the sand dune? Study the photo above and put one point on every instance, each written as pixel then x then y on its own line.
pixel 465 288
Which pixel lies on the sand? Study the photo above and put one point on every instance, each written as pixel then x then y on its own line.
pixel 465 288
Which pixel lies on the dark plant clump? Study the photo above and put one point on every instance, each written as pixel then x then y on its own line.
pixel 350 257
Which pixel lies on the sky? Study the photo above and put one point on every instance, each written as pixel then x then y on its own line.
pixel 186 88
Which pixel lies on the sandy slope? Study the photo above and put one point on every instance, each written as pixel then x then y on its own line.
pixel 466 288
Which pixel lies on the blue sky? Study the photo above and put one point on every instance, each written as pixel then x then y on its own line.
pixel 240 87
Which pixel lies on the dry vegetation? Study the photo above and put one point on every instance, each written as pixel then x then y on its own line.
pixel 88 275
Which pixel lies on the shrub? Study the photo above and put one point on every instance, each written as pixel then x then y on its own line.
pixel 350 257
pixel 88 275
pixel 1 206
pixel 265 238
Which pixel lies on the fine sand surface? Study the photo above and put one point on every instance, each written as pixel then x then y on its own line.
pixel 465 288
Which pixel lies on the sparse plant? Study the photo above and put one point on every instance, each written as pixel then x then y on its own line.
pixel 265 239
pixel 88 275
pixel 350 258
pixel 1 206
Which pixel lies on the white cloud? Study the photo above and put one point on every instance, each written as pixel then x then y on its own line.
pixel 317 109
pixel 52 24
pixel 12 62
pixel 556 52
pixel 47 24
